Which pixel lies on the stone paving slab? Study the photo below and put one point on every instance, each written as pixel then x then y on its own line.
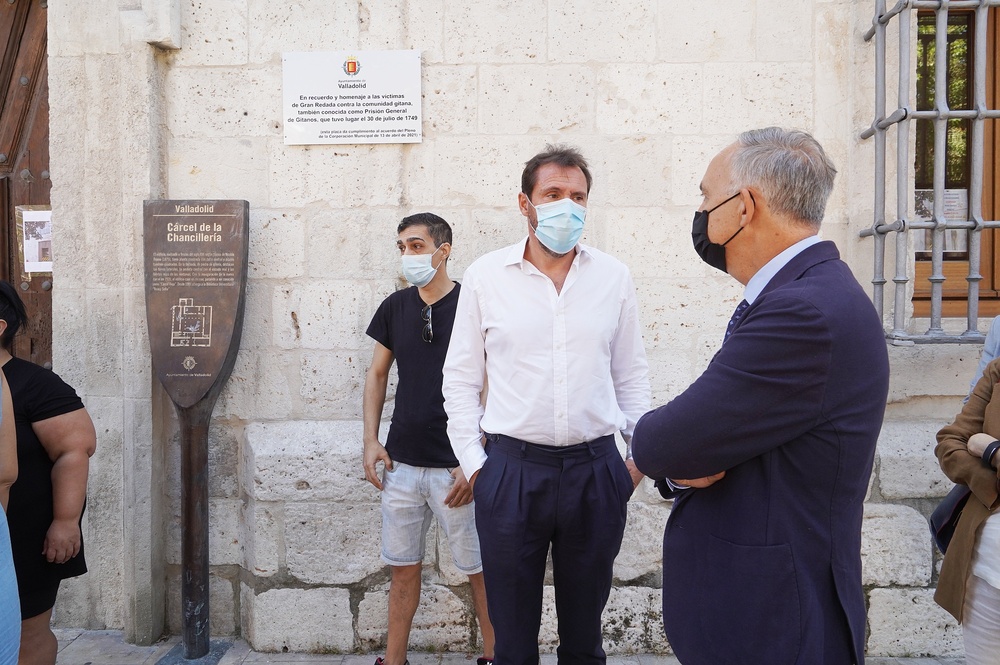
pixel 216 650
pixel 107 647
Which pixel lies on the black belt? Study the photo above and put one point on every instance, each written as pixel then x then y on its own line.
pixel 536 452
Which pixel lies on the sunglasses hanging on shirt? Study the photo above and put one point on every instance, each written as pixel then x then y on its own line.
pixel 428 332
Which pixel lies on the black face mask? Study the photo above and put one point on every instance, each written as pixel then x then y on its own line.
pixel 711 253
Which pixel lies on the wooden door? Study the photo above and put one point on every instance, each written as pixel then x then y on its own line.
pixel 24 161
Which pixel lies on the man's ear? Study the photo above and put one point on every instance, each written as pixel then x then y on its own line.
pixel 523 204
pixel 749 202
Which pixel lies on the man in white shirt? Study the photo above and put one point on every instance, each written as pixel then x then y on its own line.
pixel 553 326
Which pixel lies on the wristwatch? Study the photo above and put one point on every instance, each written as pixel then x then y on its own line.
pixel 989 452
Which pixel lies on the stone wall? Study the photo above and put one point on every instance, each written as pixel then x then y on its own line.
pixel 182 99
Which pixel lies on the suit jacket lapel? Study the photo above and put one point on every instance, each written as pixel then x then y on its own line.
pixel 793 270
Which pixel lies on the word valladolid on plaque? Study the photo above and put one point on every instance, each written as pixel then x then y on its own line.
pixel 196 262
pixel 196 272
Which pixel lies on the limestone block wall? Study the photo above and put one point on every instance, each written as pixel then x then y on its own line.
pixel 182 99
pixel 311 539
pixel 317 528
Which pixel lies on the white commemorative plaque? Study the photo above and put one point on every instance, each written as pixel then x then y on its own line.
pixel 351 97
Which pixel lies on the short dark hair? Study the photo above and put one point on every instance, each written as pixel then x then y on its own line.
pixel 439 230
pixel 563 155
pixel 12 311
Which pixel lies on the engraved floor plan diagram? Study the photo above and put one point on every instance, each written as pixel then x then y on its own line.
pixel 192 324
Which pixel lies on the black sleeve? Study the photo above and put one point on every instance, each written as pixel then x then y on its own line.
pixel 380 329
pixel 47 396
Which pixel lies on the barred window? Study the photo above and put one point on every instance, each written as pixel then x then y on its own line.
pixel 941 237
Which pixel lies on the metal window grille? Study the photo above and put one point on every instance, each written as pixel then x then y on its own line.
pixel 903 225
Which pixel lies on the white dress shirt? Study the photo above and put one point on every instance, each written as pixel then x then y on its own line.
pixel 562 368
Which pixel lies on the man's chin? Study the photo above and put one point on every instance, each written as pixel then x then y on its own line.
pixel 555 255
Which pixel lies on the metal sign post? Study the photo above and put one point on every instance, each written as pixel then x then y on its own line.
pixel 196 271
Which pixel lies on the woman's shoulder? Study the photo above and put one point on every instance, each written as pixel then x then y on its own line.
pixel 19 371
pixel 34 387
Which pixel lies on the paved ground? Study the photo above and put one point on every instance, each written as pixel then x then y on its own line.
pixel 106 647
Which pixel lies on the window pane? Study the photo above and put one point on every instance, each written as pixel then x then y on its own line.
pixel 957 136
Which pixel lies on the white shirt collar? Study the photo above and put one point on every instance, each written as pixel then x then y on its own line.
pixel 515 255
pixel 763 276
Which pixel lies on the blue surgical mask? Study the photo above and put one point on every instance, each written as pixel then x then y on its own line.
pixel 418 268
pixel 560 224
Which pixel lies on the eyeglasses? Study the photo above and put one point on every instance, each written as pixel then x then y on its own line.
pixel 428 332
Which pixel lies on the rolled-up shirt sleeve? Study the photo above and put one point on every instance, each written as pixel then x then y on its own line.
pixel 464 378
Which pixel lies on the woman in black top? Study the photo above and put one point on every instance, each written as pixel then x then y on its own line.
pixel 55 439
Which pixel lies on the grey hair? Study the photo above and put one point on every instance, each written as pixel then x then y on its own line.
pixel 789 167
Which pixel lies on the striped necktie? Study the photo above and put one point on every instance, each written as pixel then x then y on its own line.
pixel 742 307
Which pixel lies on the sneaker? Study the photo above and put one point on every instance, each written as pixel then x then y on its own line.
pixel 379 661
pixel 484 661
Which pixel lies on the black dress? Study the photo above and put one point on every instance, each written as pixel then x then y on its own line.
pixel 36 394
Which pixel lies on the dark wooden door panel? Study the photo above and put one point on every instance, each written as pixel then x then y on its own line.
pixel 24 160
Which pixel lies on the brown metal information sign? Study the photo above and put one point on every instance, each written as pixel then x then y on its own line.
pixel 196 264
pixel 196 274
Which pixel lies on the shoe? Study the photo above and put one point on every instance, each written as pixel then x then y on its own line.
pixel 484 661
pixel 379 661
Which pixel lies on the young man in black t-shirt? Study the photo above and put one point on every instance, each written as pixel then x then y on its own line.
pixel 421 475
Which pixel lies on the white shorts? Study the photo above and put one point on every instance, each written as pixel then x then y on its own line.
pixel 410 495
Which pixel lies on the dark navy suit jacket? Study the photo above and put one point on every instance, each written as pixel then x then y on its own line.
pixel 764 566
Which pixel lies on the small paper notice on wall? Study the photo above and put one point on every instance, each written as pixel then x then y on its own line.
pixel 956 209
pixel 351 97
pixel 34 239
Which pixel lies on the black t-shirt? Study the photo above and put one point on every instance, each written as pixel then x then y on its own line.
pixel 418 433
pixel 36 394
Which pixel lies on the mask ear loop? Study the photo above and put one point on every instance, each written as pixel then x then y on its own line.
pixel 442 260
pixel 714 208
pixel 727 201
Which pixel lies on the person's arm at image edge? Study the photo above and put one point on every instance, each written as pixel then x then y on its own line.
pixel 8 444
pixel 69 440
pixel 376 384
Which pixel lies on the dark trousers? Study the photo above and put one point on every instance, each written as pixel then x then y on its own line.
pixel 528 496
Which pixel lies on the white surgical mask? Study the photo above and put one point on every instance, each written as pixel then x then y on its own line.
pixel 418 269
pixel 560 224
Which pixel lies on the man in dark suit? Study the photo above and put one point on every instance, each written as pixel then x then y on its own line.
pixel 770 451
